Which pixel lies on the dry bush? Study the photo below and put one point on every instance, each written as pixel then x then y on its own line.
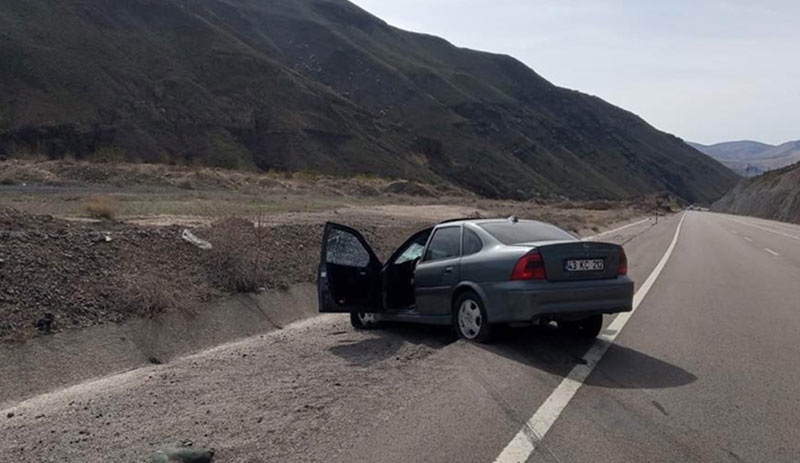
pixel 101 207
pixel 599 205
pixel 186 184
pixel 147 295
pixel 13 173
pixel 28 155
pixel 15 334
pixel 237 262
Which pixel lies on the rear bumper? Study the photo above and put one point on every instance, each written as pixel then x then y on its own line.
pixel 522 301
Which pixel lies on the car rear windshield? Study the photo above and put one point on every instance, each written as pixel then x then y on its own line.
pixel 525 232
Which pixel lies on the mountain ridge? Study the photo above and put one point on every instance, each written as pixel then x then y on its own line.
pixel 319 85
pixel 751 158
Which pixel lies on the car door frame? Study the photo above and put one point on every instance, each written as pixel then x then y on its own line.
pixel 435 300
pixel 395 255
pixel 370 276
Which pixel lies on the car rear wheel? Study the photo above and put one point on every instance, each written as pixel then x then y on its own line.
pixel 364 321
pixel 588 328
pixel 469 318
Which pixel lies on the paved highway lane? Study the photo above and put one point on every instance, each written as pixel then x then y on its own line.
pixel 725 314
pixel 706 369
pixel 775 238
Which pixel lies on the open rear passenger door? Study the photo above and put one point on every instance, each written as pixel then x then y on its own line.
pixel 349 276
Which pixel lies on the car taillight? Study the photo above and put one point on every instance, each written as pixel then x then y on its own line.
pixel 529 267
pixel 622 268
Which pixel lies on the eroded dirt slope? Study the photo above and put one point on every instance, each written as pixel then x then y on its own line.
pixel 90 273
pixel 774 195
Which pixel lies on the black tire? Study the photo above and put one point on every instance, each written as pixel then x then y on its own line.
pixel 587 328
pixel 361 321
pixel 474 327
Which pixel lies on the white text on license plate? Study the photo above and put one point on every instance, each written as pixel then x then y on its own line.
pixel 584 265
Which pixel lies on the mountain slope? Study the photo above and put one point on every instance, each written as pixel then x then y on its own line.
pixel 781 156
pixel 318 85
pixel 733 150
pixel 774 195
pixel 750 158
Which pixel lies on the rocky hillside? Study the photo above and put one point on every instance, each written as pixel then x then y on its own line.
pixel 751 158
pixel 316 85
pixel 774 195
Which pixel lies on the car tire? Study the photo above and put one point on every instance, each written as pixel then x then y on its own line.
pixel 469 318
pixel 364 321
pixel 587 328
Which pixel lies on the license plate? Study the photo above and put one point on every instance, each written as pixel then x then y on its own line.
pixel 584 265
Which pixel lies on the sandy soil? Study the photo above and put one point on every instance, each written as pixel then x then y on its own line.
pixel 248 400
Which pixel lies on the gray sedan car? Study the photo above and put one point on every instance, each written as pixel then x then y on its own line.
pixel 474 275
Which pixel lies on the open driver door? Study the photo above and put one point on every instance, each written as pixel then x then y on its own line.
pixel 349 274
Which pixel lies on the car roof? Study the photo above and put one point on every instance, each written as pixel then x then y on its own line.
pixel 483 221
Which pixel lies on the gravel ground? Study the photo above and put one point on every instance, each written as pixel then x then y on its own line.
pixel 87 273
pixel 248 400
pixel 74 271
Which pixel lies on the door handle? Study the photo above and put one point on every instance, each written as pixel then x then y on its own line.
pixel 448 270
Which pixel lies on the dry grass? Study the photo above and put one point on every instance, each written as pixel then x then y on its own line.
pixel 147 295
pixel 101 207
pixel 186 184
pixel 16 334
pixel 154 189
pixel 238 262
pixel 599 205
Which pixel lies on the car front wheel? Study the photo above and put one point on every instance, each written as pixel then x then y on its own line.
pixel 469 318
pixel 364 321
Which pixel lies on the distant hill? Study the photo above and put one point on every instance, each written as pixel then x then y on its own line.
pixel 750 158
pixel 317 85
pixel 774 195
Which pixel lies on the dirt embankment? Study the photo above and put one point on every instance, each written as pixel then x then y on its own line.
pixel 85 274
pixel 774 195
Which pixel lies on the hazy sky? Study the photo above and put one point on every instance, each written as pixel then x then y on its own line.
pixel 705 70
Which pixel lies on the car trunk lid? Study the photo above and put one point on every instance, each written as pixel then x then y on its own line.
pixel 580 260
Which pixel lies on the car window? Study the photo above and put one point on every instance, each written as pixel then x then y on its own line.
pixel 345 249
pixel 472 242
pixel 446 243
pixel 413 251
pixel 508 232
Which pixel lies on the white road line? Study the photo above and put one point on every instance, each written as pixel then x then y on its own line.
pixel 771 230
pixel 747 238
pixel 616 229
pixel 533 431
pixel 771 252
pixel 786 227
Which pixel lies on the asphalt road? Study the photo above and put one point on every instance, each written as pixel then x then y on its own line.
pixel 721 376
pixel 706 369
